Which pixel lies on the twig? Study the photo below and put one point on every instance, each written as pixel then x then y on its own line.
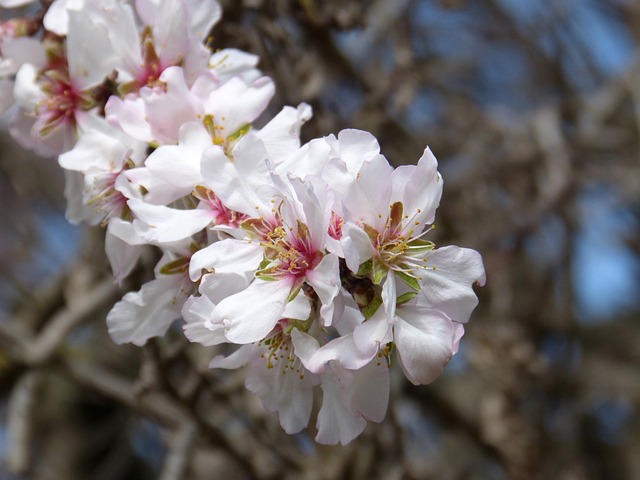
pixel 20 421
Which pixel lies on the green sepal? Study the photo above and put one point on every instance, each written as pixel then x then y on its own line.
pixel 242 131
pixel 419 245
pixel 364 268
pixel 405 297
pixel 295 288
pixel 179 265
pixel 372 308
pixel 379 271
pixel 409 280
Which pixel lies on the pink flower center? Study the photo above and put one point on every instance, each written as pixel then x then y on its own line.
pixel 292 252
pixel 335 226
pixel 61 102
pixel 222 214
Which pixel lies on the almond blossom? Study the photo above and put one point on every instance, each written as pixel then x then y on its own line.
pixel 313 261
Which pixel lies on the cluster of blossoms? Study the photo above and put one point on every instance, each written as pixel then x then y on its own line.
pixel 314 259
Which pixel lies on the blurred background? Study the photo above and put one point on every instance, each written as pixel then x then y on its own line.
pixel 533 110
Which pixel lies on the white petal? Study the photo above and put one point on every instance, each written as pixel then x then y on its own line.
pixel 419 188
pixel 123 256
pixel 216 287
pixel 356 147
pixel 325 280
pixel 370 334
pixel 227 256
pixel 177 100
pixel 424 338
pixel 236 104
pixel 340 349
pixel 365 391
pixel 284 391
pixel 146 313
pixel 335 424
pixel 389 295
pixel 356 246
pixel 249 315
pixel 236 181
pixel 159 224
pixel 237 359
pixel 299 308
pixel 281 136
pixel 130 115
pixel 196 311
pixel 89 61
pixel 448 286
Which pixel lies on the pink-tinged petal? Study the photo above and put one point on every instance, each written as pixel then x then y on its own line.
pixel 424 338
pixel 227 256
pixel 24 129
pixel 325 280
pixel 365 391
pixel 335 424
pixel 249 315
pixel 147 313
pixel 356 246
pixel 459 333
pixel 159 224
pixel 123 256
pixel 195 312
pixel 451 272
